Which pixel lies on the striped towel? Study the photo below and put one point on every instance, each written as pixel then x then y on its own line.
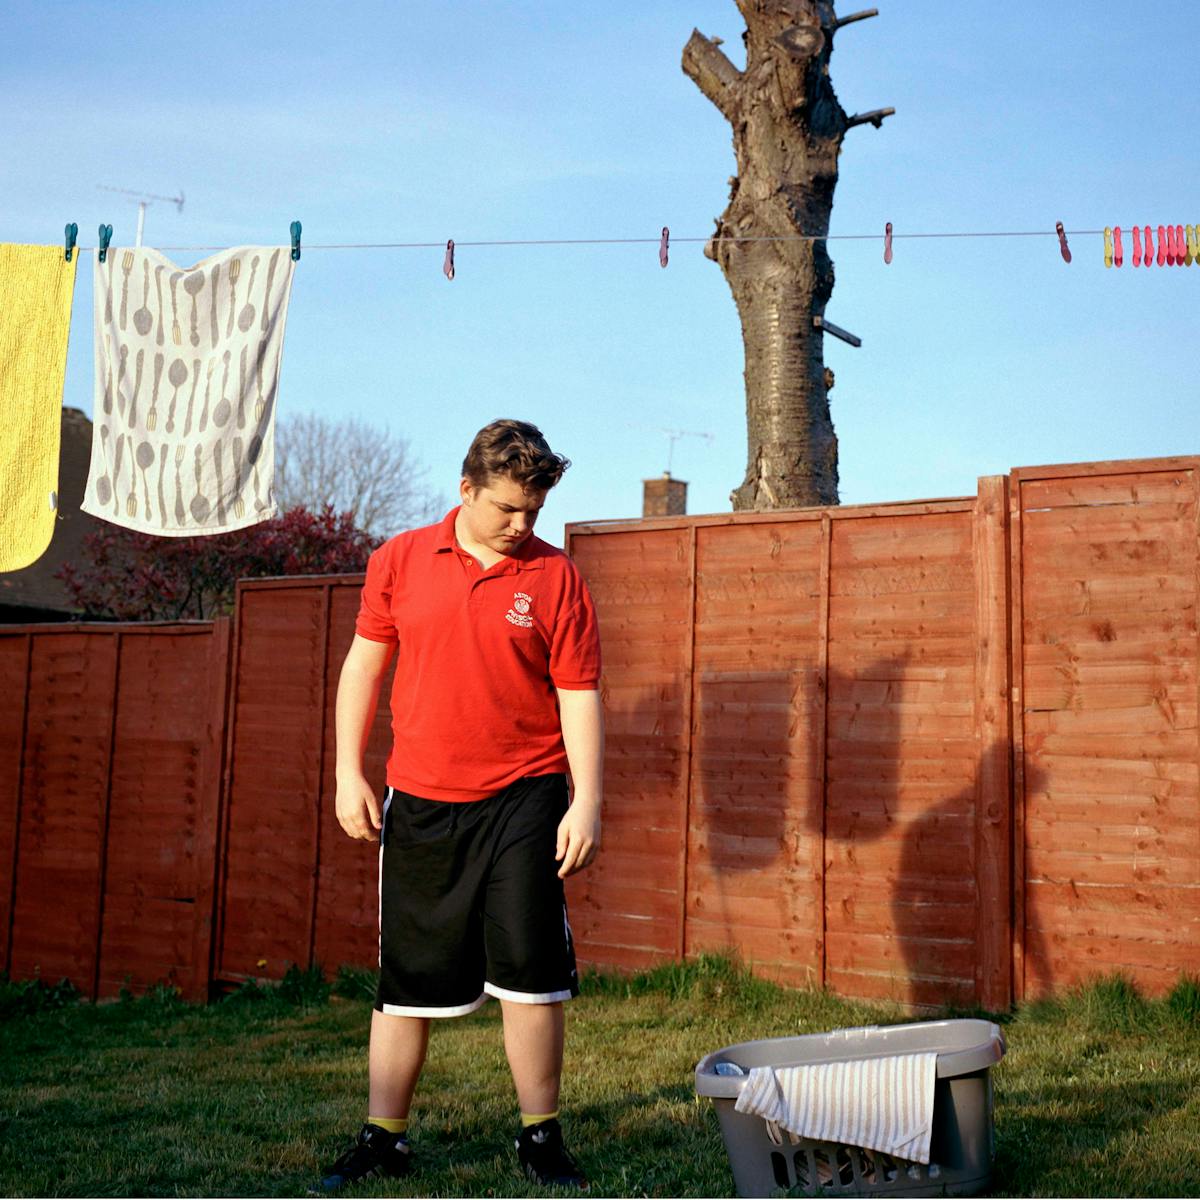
pixel 883 1104
pixel 187 367
pixel 36 287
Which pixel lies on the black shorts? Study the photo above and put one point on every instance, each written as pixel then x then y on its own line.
pixel 470 902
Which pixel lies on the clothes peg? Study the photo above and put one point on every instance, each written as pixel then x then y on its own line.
pixel 1137 246
pixel 295 231
pixel 663 244
pixel 448 262
pixel 887 242
pixel 1190 255
pixel 1148 257
pixel 1118 250
pixel 70 232
pixel 1108 246
pixel 105 238
pixel 1064 249
pixel 1180 246
pixel 1170 245
pixel 1161 257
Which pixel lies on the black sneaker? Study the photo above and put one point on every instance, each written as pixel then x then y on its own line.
pixel 545 1160
pixel 375 1153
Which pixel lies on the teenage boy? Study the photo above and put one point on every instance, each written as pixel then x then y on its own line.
pixel 494 700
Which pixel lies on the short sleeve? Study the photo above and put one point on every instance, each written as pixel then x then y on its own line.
pixel 374 613
pixel 575 648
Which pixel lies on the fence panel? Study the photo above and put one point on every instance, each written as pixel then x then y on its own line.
pixel 1108 567
pixel 902 758
pixel 14 693
pixel 295 888
pixel 627 908
pixel 755 822
pixel 111 770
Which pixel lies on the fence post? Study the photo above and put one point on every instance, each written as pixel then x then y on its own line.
pixel 993 733
pixel 208 816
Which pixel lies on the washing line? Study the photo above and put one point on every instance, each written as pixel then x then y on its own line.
pixel 630 241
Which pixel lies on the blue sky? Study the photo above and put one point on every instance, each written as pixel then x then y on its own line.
pixel 397 122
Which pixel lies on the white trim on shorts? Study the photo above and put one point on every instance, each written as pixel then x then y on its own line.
pixel 412 1010
pixel 500 993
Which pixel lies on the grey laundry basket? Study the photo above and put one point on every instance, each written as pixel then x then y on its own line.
pixel 961 1145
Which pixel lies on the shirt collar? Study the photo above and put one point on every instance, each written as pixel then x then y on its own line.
pixel 528 556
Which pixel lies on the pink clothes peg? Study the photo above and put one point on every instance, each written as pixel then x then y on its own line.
pixel 1170 245
pixel 887 242
pixel 1137 246
pixel 1148 257
pixel 1118 249
pixel 1180 246
pixel 1064 249
pixel 664 243
pixel 1161 257
pixel 448 262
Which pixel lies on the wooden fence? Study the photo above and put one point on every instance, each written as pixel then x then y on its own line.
pixel 941 752
pixel 110 748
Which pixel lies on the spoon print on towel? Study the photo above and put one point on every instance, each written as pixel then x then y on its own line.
pixel 176 377
pixel 143 319
pixel 193 284
pixel 246 316
pixel 200 507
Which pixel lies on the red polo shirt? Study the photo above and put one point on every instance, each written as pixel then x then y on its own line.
pixel 480 655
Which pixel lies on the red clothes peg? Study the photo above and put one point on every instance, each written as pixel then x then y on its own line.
pixel 1064 249
pixel 1118 249
pixel 1170 245
pixel 1137 246
pixel 1148 257
pixel 664 243
pixel 1180 246
pixel 448 262
pixel 1161 257
pixel 887 242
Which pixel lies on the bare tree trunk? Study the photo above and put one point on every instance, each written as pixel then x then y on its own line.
pixel 787 133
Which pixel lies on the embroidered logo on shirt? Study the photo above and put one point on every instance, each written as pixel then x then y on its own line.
pixel 519 613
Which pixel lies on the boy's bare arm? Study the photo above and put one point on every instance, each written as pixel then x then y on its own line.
pixel 582 717
pixel 358 810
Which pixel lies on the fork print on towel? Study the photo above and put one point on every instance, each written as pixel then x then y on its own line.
pixel 209 337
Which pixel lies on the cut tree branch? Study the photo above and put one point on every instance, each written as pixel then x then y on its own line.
pixel 858 16
pixel 874 117
pixel 713 74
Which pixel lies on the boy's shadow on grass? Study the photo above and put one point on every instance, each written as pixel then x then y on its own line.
pixel 1048 1138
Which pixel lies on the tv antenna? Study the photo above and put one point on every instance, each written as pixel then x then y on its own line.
pixel 673 436
pixel 144 199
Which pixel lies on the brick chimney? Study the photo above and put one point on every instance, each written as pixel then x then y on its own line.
pixel 664 497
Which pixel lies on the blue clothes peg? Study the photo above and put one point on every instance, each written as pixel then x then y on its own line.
pixel 295 241
pixel 105 238
pixel 71 232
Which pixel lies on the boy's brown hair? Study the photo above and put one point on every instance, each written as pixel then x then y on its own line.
pixel 517 450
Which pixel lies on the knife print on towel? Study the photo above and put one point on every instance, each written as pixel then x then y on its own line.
pixel 187 372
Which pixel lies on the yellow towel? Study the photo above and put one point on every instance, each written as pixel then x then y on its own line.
pixel 36 288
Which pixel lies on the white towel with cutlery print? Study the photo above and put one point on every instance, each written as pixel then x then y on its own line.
pixel 883 1104
pixel 187 372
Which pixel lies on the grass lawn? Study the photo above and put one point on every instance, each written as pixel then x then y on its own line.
pixel 1099 1094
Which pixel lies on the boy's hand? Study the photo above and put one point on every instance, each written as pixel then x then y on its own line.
pixel 358 810
pixel 578 838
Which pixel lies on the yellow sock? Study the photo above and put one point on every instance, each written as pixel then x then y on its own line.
pixel 391 1124
pixel 528 1119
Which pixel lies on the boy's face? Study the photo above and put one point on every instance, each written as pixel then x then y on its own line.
pixel 502 514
